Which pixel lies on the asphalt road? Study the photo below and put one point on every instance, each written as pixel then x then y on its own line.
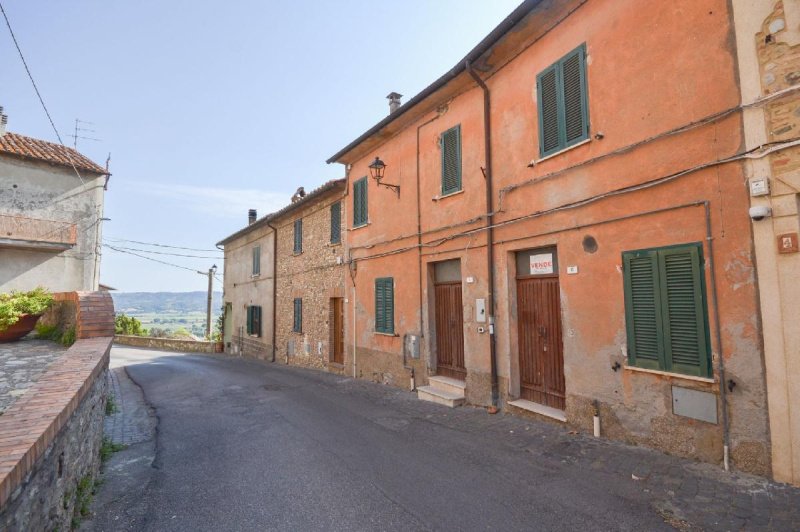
pixel 245 445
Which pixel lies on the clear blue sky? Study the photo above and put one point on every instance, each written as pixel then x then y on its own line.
pixel 211 108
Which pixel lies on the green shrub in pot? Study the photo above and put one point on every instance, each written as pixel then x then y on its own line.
pixel 16 304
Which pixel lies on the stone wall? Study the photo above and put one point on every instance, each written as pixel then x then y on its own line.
pixel 50 451
pixel 312 275
pixel 166 344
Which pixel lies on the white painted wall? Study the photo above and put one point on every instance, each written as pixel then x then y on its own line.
pixel 50 192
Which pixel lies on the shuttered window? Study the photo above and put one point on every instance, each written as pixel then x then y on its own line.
pixel 297 325
pixel 336 223
pixel 665 310
pixel 298 236
pixel 257 260
pixel 384 305
pixel 450 143
pixel 360 202
pixel 562 103
pixel 254 320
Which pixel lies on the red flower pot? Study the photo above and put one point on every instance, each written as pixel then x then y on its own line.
pixel 24 325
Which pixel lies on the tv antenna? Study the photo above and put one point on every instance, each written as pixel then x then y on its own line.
pixel 80 130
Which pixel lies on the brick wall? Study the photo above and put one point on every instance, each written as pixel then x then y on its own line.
pixel 312 275
pixel 51 436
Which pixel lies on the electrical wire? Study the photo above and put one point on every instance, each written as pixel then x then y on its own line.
pixel 118 250
pixel 168 254
pixel 162 245
pixel 38 94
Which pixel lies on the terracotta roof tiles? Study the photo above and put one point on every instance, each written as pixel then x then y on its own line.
pixel 40 150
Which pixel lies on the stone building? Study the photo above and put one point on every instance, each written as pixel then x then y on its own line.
pixel 51 215
pixel 293 316
pixel 311 279
pixel 574 239
pixel 768 45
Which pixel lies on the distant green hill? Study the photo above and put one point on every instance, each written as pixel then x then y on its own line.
pixel 134 303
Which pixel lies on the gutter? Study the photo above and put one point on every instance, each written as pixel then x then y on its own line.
pixel 274 288
pixel 487 129
pixel 485 45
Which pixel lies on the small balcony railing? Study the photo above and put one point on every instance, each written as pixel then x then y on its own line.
pixel 24 232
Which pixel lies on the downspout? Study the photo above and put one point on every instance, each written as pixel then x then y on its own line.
pixel 489 228
pixel 274 288
pixel 726 435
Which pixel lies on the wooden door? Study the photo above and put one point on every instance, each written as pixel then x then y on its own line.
pixel 541 350
pixel 449 331
pixel 337 330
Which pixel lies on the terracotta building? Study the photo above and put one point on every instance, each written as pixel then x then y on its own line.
pixel 303 324
pixel 575 239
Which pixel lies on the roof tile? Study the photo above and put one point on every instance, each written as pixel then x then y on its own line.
pixel 41 150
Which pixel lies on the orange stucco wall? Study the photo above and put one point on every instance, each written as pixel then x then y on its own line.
pixel 649 72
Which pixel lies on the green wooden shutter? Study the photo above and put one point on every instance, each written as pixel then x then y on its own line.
pixel 573 76
pixel 683 307
pixel 643 309
pixel 298 315
pixel 547 90
pixel 249 320
pixel 256 260
pixel 451 160
pixel 384 305
pixel 298 236
pixel 336 223
pixel 256 320
pixel 563 103
pixel 360 202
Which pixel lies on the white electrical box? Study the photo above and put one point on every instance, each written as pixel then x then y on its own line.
pixel 480 310
pixel 759 186
pixel 572 270
pixel 470 280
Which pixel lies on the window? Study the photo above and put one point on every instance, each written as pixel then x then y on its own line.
pixel 254 320
pixel 336 223
pixel 665 309
pixel 562 103
pixel 298 236
pixel 384 305
pixel 360 202
pixel 450 143
pixel 257 260
pixel 297 326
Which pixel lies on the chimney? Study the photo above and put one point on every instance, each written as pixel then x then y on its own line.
pixel 251 216
pixel 394 101
pixel 3 122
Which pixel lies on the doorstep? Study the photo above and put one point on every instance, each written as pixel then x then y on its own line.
pixel 536 408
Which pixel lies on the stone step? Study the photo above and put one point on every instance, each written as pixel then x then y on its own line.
pixel 429 393
pixel 447 384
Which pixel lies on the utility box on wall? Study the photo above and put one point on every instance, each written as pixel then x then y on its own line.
pixel 411 345
pixel 694 404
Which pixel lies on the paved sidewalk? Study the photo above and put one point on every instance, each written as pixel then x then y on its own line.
pixel 134 421
pixel 22 363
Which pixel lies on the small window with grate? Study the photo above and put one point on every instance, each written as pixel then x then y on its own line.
pixel 297 325
pixel 298 236
pixel 563 103
pixel 360 202
pixel 665 309
pixel 336 223
pixel 256 261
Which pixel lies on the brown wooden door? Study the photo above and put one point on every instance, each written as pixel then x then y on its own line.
pixel 541 350
pixel 337 330
pixel 449 331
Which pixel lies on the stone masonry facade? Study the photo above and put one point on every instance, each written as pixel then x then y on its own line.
pixel 315 275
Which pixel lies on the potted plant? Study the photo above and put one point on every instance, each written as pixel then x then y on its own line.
pixel 19 312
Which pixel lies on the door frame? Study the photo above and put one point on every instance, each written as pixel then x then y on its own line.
pixel 332 326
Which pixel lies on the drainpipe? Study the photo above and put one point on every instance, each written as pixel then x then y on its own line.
pixel 274 288
pixel 726 435
pixel 489 229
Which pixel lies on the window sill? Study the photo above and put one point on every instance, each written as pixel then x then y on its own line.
pixel 333 244
pixel 556 154
pixel 296 253
pixel 449 195
pixel 391 335
pixel 670 374
pixel 360 226
pixel 255 276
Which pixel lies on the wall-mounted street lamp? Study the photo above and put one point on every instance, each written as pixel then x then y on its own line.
pixel 376 170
